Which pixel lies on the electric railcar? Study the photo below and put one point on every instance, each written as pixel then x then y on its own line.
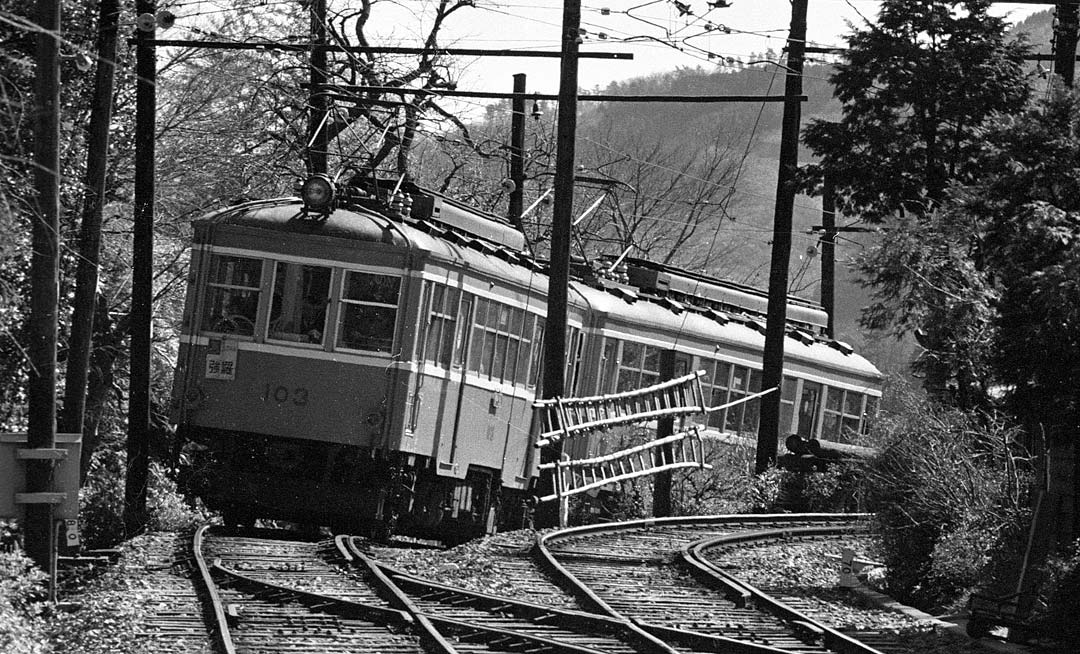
pixel 367 358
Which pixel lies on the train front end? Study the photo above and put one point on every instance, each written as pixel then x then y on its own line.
pixel 287 376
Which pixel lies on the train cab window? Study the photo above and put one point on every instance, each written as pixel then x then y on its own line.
pixel 232 295
pixel 368 311
pixel 301 296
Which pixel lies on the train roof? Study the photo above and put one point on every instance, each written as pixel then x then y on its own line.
pixel 664 297
pixel 669 322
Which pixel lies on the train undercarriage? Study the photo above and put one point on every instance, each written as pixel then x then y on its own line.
pixel 248 476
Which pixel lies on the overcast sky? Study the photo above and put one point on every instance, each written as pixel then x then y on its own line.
pixel 659 34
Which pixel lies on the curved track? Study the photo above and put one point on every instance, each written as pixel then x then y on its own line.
pixel 646 586
pixel 656 574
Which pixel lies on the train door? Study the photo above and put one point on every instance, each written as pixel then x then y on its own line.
pixel 808 408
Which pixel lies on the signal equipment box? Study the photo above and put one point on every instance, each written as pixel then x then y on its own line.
pixel 65 496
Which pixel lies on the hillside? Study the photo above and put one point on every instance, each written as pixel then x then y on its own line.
pixel 754 132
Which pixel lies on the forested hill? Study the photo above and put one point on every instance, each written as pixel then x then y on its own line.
pixel 751 134
pixel 752 131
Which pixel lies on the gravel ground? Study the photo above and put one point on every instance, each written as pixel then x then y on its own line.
pixel 110 610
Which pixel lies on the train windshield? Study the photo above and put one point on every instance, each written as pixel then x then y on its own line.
pixel 232 295
pixel 368 311
pixel 301 296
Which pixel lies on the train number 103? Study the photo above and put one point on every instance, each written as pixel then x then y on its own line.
pixel 284 395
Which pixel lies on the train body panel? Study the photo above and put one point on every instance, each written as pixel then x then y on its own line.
pixel 372 367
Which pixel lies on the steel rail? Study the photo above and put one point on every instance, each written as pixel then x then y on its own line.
pixel 537 613
pixel 492 635
pixel 734 589
pixel 346 546
pixel 221 623
pixel 694 555
pixel 337 606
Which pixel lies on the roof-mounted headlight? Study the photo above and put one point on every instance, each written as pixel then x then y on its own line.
pixel 318 194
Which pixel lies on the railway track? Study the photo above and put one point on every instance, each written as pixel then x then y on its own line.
pixel 615 566
pixel 648 586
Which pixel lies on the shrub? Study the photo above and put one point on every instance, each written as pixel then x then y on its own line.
pixel 948 493
pixel 22 586
pixel 101 502
pixel 1060 594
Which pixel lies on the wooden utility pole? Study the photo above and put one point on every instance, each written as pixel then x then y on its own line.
pixel 97 151
pixel 776 319
pixel 1065 36
pixel 828 255
pixel 665 426
pixel 318 143
pixel 517 153
pixel 142 276
pixel 562 217
pixel 44 281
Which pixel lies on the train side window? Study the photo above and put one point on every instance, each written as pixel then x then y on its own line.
pixel 477 361
pixel 720 374
pixel 525 351
pixel 609 365
pixel 232 295
pixel 462 336
pixel 808 409
pixel 442 317
pixel 538 348
pixel 740 388
pixel 752 410
pixel 639 366
pixel 576 339
pixel 630 367
pixel 868 413
pixel 368 311
pixel 514 337
pixel 787 404
pixel 497 339
pixel 301 297
pixel 843 413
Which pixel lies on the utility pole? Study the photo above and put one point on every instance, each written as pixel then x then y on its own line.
pixel 828 255
pixel 97 151
pixel 562 217
pixel 142 275
pixel 517 153
pixel 665 426
pixel 1065 36
pixel 776 318
pixel 318 143
pixel 44 281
